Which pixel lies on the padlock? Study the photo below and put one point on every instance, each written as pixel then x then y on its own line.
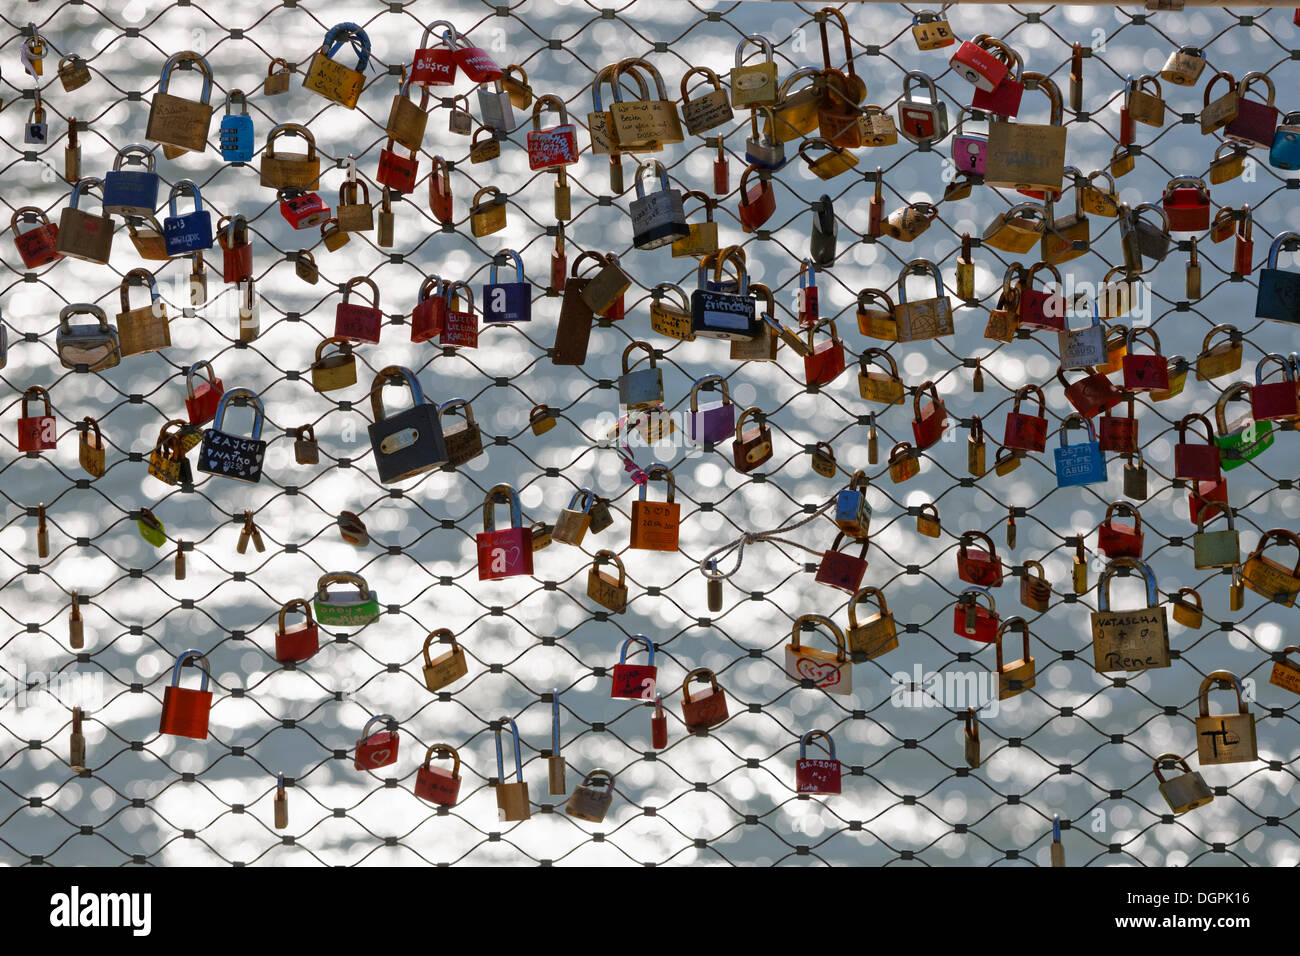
pixel 1185 792
pixel 1224 738
pixel 977 66
pixel 571 527
pixel 555 146
pixel 1188 610
pixel 1042 308
pixel 277 83
pixel 436 784
pixel 1068 237
pixel 1096 201
pixel 752 446
pixel 507 552
pixel 573 332
pixel 1117 539
pixel 305 268
pixel 1144 373
pixel 817 775
pixel 919 121
pixel 435 65
pixel 1216 549
pixel 701 238
pixel 512 796
pixel 876 127
pixel 972 739
pixel 514 79
pixel 656 524
pixel 1285 150
pixel 876 635
pixel 354 608
pixel 600 124
pixel 634 681
pixel 1206 499
pixel 755 84
pixel 145 329
pixel 149 527
pixel 928 423
pixel 910 221
pixel 1193 285
pixel 1131 640
pixel 1119 433
pixel 1029 156
pixel 299 641
pixel 235 134
pixel 1035 589
pixel 1080 463
pixel 836 161
pixel 705 112
pixel 177 123
pixel 167 461
pixel 657 217
pixel 93 347
pixel 1184 66
pixel 931 30
pixel 1275 401
pixel 874 322
pixel 1186 202
pixel 82 235
pixel 496 111
pixel 460 324
pixel 830 671
pixel 555 764
pixel 1143 105
pixel 1014 677
pixel 824 237
pixel 1003 99
pixel 330 78
pixel 1278 297
pixel 716 310
pixel 445 668
pixel 130 192
pixel 969 150
pixel 230 455
pixel 77 739
pixel 505 301
pixel 379 749
pixel 607 591
pixel 1222 358
pixel 823 362
pixel 839 569
pixel 642 388
pixel 904 463
pixel 73 73
pixel 973 620
pixel 1227 166
pixel 335 370
pixel 715 422
pixel 185 712
pixel 487 215
pixel 1266 577
pixel 852 513
pixel 926 318
pixel 90 448
pixel 362 323
pixel 1092 394
pixel 302 210
pixel 39 246
pixel 757 203
pixel 885 388
pixel 236 250
pixel 201 400
pixel 1285 674
pixel 976 448
pixel 1244 245
pixel 1245 438
pixel 823 460
pixel 1255 123
pixel 1018 229
pixel 1085 347
pixel 191 232
pixel 979 566
pixel 592 798
pixel 306 451
pixel 410 442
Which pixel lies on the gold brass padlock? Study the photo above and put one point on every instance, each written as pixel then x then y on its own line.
pixel 555 766
pixel 1224 738
pixel 1187 607
pixel 972 738
pixel 927 520
pixel 487 212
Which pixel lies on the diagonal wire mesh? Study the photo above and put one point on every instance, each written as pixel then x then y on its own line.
pixel 1077 744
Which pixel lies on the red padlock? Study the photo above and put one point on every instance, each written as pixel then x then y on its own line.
pixel 976 565
pixel 635 681
pixel 1118 539
pixel 559 262
pixel 721 172
pixel 1187 204
pixel 475 62
pixel 1090 395
pixel 362 323
pixel 460 326
pixel 703 710
pixel 1127 127
pixel 838 569
pixel 1275 401
pixel 440 191
pixel 973 620
pixel 380 748
pixel 817 775
pixel 1119 433
pixel 1026 432
pixel 825 361
pixel 1196 461
pixel 1207 499
pixel 201 400
pixel 236 250
pixel 1144 373
pixel 296 642
pixel 928 423
pixel 184 711
pixel 1039 308
pixel 757 203
pixel 302 210
pixel 808 306
pixel 1255 123
pixel 436 784
pixel 508 552
pixel 37 432
pixel 1004 99
pixel 430 311
pixel 659 725
pixel 398 172
pixel 436 65
pixel 36 246
pixel 1243 252
pixel 978 66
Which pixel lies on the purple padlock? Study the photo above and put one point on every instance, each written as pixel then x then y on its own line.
pixel 716 422
pixel 969 150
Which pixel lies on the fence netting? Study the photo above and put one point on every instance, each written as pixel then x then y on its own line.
pixel 1077 744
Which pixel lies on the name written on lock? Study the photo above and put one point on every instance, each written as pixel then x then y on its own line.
pixel 1125 639
pixel 231 455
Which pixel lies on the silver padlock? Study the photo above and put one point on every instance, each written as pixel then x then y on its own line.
pixel 640 388
pixel 1185 792
pixel 36 132
pixel 763 149
pixel 494 107
pixel 1140 239
pixel 657 217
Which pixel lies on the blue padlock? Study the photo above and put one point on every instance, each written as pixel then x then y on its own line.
pixel 236 130
pixel 191 232
pixel 1081 463
pixel 852 513
pixel 507 301
pixel 131 192
pixel 1279 292
pixel 1285 152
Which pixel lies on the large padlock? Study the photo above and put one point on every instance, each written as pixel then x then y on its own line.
pixel 512 796
pixel 1132 640
pixel 436 784
pixel 555 146
pixel 1278 297
pixel 1186 201
pixel 875 635
pixel 1080 463
pixel 1029 156
pixel 354 608
pixel 1266 577
pixel 36 432
pixel 1118 539
pixel 506 552
pixel 190 232
pixel 657 217
pixel 435 65
pixel 925 318
pixel 410 442
pixel 201 400
pixel 185 712
pixel 1255 123
pixel 330 78
pixel 235 134
pixel 592 798
pixel 1187 791
pixel 227 454
pixel 634 681
pixel 722 313
pixel 1194 461
pixel 291 170
pixel 1275 401
pixel 92 347
pixel 447 667
pixel 754 84
pixel 840 569
pixel 1014 677
pixel 817 775
pixel 82 235
pixel 39 246
pixel 145 329
pixel 972 619
pixel 298 641
pixel 132 192
pixel 380 748
pixel 1245 438
pixel 1224 738
pixel 656 524
pixel 335 370
pixel 180 124
pixel 921 121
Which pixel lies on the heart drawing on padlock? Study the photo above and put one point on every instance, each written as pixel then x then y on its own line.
pixel 823 675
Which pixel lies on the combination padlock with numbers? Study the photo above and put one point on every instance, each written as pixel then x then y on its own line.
pixel 236 130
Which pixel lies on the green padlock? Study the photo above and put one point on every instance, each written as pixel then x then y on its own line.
pixel 345 608
pixel 151 529
pixel 1245 438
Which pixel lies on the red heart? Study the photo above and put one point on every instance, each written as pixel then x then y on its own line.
pixel 823 675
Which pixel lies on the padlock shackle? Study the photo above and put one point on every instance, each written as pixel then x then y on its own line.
pixel 85 184
pixel 443 750
pixel 505 254
pixel 126 151
pixel 604 555
pixel 289 606
pixel 199 660
pixel 918 267
pixel 351 34
pixel 710 77
pixel 1070 421
pixel 1238 390
pixel 1013 624
pixel 700 673
pixel 579 496
pixel 1103 583
pixel 519 762
pixel 1273 251
pixel 82 308
pixel 339 577
pixel 180 188
pixel 704 380
pixel 194 370
pixel 809 736
pixel 1288 373
pixel 638 639
pixel 393 375
pixel 659 470
pixel 764 45
pixel 1281 536
pixel 251 398
pixel 385 719
pixel 501 493
pixel 439 633
pixel 1220 680
pixel 643 346
pixel 549 102
pixel 861 596
pixel 187 56
pixel 975 594
pixel 819 620
pixel 125 286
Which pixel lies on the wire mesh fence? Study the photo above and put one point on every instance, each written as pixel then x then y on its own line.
pixel 1077 744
